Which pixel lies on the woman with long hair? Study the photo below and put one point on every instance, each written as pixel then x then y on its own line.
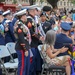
pixel 50 54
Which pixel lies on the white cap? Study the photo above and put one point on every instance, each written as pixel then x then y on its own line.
pixel 22 12
pixel 32 6
pixel 6 12
pixel 38 8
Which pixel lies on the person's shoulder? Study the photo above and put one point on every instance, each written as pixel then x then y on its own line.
pixel 57 35
pixel 47 24
pixel 45 46
pixel 60 37
pixel 69 40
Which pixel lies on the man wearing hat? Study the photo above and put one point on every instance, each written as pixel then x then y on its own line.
pixel 22 44
pixel 44 25
pixel 6 15
pixel 9 37
pixel 2 40
pixel 47 10
pixel 36 64
pixel 63 38
pixel 42 20
pixel 42 17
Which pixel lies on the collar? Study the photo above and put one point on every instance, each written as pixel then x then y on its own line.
pixel 22 21
pixel 63 34
pixel 32 16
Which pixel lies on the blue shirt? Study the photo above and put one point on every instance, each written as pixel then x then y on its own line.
pixel 2 40
pixel 62 40
pixel 9 37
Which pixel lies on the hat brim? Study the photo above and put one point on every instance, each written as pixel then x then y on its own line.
pixel 65 26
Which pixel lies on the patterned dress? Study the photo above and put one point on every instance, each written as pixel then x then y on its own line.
pixel 52 61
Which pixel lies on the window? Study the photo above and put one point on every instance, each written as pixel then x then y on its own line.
pixel 61 3
pixel 64 3
pixel 67 4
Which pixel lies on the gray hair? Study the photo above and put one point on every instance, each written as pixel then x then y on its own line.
pixel 50 37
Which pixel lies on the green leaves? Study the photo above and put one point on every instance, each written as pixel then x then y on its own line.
pixel 31 2
pixel 14 1
pixel 2 0
pixel 73 1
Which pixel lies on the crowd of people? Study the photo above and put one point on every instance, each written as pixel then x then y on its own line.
pixel 31 26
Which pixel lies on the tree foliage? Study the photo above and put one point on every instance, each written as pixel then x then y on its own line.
pixel 53 3
pixel 31 2
pixel 73 1
pixel 2 1
pixel 14 1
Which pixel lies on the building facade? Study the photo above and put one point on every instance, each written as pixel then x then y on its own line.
pixel 61 3
pixel 65 4
pixel 16 1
